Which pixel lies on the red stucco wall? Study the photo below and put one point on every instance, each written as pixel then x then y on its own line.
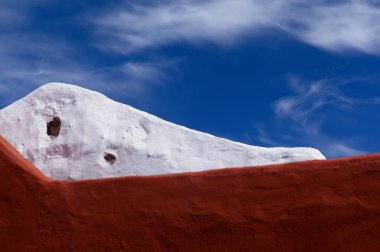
pixel 331 205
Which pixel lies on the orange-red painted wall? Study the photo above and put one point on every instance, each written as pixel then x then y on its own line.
pixel 331 205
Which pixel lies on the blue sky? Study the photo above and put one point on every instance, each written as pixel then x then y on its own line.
pixel 269 73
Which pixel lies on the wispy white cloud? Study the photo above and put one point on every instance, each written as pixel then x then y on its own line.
pixel 283 134
pixel 353 24
pixel 24 67
pixel 342 149
pixel 29 58
pixel 339 26
pixel 10 15
pixel 330 146
pixel 309 97
pixel 16 13
pixel 299 118
pixel 149 71
pixel 221 22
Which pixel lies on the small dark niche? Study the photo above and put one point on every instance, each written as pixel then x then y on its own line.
pixel 110 158
pixel 53 127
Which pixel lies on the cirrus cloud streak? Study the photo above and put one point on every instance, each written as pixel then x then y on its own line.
pixel 335 26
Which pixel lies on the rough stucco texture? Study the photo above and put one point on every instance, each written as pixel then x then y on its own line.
pixel 331 205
